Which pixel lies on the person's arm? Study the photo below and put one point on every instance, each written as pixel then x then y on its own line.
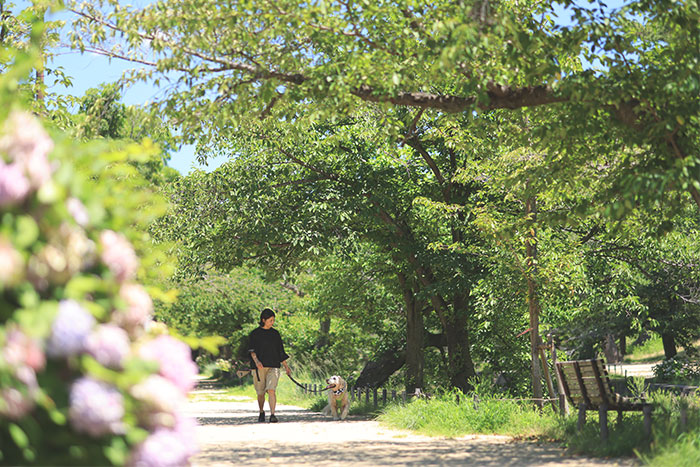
pixel 258 363
pixel 283 355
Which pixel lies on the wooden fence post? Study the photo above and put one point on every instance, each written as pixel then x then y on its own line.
pixel 384 396
pixel 374 398
pixel 581 416
pixel 647 421
pixel 403 396
pixel 603 416
pixel 684 415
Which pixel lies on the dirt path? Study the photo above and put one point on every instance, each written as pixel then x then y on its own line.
pixel 229 434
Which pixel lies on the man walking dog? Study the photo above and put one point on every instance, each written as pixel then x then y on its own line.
pixel 266 355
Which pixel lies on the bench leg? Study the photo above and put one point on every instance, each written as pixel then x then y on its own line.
pixel 647 421
pixel 603 416
pixel 581 416
pixel 619 418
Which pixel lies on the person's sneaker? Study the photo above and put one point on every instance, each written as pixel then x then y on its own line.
pixel 273 419
pixel 261 417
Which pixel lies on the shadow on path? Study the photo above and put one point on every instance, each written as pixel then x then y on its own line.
pixel 229 434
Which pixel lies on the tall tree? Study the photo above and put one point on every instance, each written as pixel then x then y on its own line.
pixel 290 59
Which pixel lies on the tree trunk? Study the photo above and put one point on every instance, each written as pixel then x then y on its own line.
pixel 415 361
pixel 610 349
pixel 376 372
pixel 533 301
pixel 324 330
pixel 669 342
pixel 460 364
pixel 623 345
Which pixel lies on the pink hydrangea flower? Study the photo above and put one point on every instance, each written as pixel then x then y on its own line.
pixel 139 308
pixel 69 330
pixel 96 408
pixel 163 448
pixel 78 211
pixel 109 345
pixel 174 358
pixel 14 186
pixel 21 350
pixel 118 255
pixel 26 142
pixel 14 404
pixel 11 265
pixel 185 427
pixel 159 401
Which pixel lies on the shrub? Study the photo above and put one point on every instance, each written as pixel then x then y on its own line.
pixel 86 378
pixel 677 369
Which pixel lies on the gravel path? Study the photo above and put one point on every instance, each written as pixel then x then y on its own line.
pixel 229 434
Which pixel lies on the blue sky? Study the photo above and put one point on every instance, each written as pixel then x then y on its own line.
pixel 89 70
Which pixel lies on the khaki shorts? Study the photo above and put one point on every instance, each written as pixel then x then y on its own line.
pixel 268 379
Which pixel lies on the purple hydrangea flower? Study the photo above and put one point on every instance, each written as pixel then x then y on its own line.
pixel 69 330
pixel 96 408
pixel 163 448
pixel 118 255
pixel 174 358
pixel 109 345
pixel 14 186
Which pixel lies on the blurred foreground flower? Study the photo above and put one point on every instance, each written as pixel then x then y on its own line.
pixel 27 144
pixel 139 308
pixel 69 330
pixel 96 408
pixel 109 345
pixel 118 255
pixel 166 447
pixel 11 264
pixel 174 358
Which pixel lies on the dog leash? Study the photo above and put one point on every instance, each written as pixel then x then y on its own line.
pixel 305 388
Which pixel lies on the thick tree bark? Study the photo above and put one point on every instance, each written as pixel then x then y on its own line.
pixel 324 330
pixel 415 361
pixel 377 371
pixel 669 342
pixel 623 345
pixel 533 301
pixel 610 349
pixel 459 356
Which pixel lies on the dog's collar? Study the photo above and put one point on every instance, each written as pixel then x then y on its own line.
pixel 340 391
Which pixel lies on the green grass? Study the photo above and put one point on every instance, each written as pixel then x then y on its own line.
pixel 670 446
pixel 651 351
pixel 443 416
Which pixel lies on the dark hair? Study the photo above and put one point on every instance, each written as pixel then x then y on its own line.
pixel 266 314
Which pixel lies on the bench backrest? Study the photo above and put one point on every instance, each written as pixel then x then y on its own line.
pixel 586 382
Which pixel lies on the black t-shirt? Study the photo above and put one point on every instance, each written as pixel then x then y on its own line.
pixel 267 345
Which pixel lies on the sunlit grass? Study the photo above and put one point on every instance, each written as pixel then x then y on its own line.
pixel 444 416
pixel 651 350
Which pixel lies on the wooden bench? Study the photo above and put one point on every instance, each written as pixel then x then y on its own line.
pixel 587 386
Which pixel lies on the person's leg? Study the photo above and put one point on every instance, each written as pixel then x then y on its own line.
pixel 271 386
pixel 272 400
pixel 259 385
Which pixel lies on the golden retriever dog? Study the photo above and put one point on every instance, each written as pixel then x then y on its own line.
pixel 337 398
